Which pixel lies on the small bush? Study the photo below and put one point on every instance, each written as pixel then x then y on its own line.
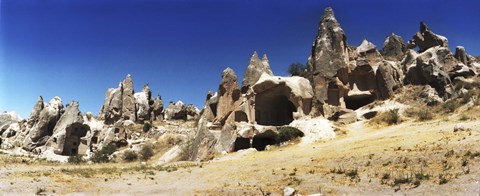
pixel 76 159
pixel 424 115
pixel 463 117
pixel 288 133
pixel 390 117
pixel 101 156
pixel 130 155
pixel 146 152
pixel 147 126
pixel 450 105
pixel 297 69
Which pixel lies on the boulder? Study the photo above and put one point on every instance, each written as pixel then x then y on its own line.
pixel 329 57
pixel 228 95
pixel 176 111
pixel 43 129
pixel 112 108
pixel 255 69
pixel 157 112
pixel 393 48
pixel 128 100
pixel 426 39
pixel 68 131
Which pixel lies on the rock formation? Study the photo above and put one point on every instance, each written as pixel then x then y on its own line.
pixel 43 129
pixel 426 39
pixel 228 94
pixel 328 60
pixel 255 69
pixel 68 131
pixel 393 48
pixel 144 104
pixel 128 101
pixel 157 112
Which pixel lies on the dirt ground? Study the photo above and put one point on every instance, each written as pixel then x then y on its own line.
pixel 409 158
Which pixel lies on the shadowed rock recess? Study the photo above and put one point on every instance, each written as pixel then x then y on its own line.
pixel 340 80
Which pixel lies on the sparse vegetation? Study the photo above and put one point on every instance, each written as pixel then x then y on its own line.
pixel 146 152
pixel 40 191
pixel 76 159
pixel 130 155
pixel 287 133
pixel 297 69
pixel 450 105
pixel 102 155
pixel 186 150
pixel 390 117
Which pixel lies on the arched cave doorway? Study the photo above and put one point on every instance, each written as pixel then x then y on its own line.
pixel 241 116
pixel 358 101
pixel 273 108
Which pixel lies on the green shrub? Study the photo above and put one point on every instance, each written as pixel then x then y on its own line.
pixel 297 69
pixel 76 159
pixel 130 155
pixel 288 133
pixel 101 156
pixel 146 152
pixel 424 115
pixel 147 126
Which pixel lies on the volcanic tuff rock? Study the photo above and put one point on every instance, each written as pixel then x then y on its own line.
pixel 229 94
pixel 426 39
pixel 35 114
pixel 68 131
pixel 43 129
pixel 329 56
pixel 157 112
pixel 461 55
pixel 144 104
pixel 128 100
pixel 255 69
pixel 393 48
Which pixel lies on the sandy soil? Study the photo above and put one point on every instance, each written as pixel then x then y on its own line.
pixel 409 158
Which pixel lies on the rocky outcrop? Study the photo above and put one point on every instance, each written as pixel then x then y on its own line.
pixel 112 107
pixel 461 55
pixel 255 69
pixel 144 104
pixel 388 78
pixel 157 112
pixel 426 39
pixel 35 114
pixel 43 129
pixel 68 131
pixel 393 48
pixel 128 101
pixel 329 58
pixel 180 111
pixel 430 68
pixel 228 94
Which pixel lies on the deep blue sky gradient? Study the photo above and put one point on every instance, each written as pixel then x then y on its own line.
pixel 76 49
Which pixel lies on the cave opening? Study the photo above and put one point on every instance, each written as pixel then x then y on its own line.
pixel 358 101
pixel 260 143
pixel 273 109
pixel 241 143
pixel 241 116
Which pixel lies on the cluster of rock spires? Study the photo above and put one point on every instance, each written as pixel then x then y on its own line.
pixel 340 79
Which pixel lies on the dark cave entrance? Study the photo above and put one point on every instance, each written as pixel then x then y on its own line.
pixel 273 109
pixel 260 143
pixel 358 101
pixel 241 143
pixel 241 116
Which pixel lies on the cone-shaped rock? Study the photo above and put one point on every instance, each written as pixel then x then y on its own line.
pixel 255 69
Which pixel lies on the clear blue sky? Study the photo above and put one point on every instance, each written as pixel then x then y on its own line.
pixel 76 49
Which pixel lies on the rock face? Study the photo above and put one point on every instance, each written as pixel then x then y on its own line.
pixel 229 94
pixel 144 104
pixel 35 114
pixel 68 131
pixel 157 112
pixel 426 39
pixel 430 67
pixel 393 48
pixel 180 111
pixel 255 69
pixel 328 60
pixel 128 101
pixel 388 78
pixel 43 129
